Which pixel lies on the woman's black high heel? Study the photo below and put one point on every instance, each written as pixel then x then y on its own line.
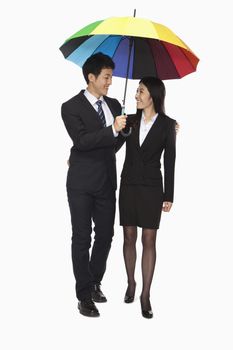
pixel 129 298
pixel 146 313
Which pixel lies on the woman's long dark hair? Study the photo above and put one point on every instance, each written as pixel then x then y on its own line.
pixel 157 91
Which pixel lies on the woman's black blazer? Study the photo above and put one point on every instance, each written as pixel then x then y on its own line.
pixel 142 164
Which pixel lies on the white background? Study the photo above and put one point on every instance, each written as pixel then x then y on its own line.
pixel 192 287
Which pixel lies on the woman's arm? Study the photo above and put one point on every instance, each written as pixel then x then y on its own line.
pixel 169 162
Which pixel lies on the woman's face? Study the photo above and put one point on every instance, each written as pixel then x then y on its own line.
pixel 143 97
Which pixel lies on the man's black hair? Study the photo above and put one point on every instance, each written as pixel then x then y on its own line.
pixel 95 63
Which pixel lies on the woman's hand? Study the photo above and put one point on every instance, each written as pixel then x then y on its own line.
pixel 167 206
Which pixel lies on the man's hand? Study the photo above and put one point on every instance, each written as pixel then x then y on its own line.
pixel 120 122
pixel 167 206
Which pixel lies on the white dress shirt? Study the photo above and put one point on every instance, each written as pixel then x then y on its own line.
pixel 145 127
pixel 107 113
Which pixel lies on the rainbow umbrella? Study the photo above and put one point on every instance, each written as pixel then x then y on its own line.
pixel 138 47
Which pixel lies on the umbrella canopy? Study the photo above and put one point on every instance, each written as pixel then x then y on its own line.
pixel 138 47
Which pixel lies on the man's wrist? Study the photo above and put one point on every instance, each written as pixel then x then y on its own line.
pixel 115 133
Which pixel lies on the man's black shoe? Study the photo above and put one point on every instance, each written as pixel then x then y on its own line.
pixel 97 294
pixel 88 308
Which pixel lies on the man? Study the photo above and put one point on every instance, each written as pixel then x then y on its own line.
pixel 93 122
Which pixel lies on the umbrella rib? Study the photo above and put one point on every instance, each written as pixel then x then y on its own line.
pixel 102 43
pixel 150 48
pixel 181 50
pixel 119 42
pixel 117 47
pixel 170 57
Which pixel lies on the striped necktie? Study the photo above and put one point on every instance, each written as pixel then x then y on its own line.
pixel 101 112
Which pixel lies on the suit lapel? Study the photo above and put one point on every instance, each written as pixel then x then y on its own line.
pixel 89 110
pixel 111 107
pixel 135 135
pixel 154 132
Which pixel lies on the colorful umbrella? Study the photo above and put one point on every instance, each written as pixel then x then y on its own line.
pixel 138 47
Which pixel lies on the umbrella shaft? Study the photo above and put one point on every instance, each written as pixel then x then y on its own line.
pixel 127 72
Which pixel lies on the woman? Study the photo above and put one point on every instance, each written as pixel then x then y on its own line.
pixel 142 197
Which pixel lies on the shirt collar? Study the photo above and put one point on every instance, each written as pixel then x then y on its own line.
pixel 91 98
pixel 152 119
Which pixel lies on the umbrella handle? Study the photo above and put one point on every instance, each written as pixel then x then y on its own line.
pixel 128 129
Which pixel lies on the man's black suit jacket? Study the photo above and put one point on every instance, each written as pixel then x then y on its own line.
pixel 92 159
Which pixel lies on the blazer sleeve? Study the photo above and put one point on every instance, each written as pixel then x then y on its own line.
pixel 126 132
pixel 120 142
pixel 169 162
pixel 83 140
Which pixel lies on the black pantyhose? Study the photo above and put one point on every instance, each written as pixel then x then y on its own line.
pixel 148 261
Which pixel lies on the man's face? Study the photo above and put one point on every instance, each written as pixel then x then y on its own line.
pixel 98 86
